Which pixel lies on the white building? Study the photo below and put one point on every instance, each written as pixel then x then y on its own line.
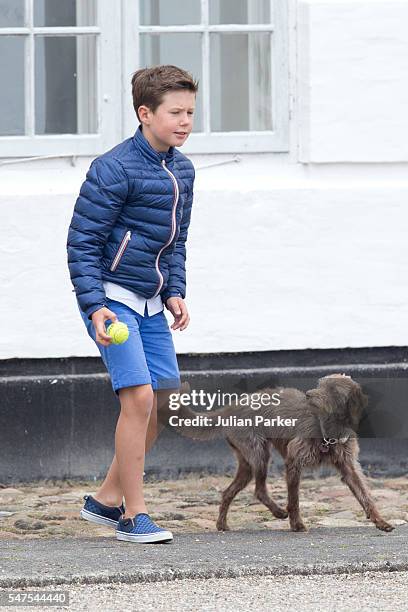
pixel 298 234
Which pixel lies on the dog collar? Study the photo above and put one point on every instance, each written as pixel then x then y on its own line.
pixel 326 444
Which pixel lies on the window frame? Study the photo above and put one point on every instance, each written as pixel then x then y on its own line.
pixel 117 31
pixel 276 140
pixel 108 88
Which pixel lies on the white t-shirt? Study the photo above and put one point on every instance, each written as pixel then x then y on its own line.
pixel 135 301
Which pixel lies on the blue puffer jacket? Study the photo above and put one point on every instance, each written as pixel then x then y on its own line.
pixel 130 223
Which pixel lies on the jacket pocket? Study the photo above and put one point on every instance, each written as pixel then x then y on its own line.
pixel 121 249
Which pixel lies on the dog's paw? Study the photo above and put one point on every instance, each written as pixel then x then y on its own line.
pixel 280 513
pixel 298 526
pixel 384 526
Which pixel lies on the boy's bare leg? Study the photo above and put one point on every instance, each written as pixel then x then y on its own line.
pixel 136 404
pixel 110 492
pixel 151 433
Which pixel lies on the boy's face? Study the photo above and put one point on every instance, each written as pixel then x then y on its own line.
pixel 172 121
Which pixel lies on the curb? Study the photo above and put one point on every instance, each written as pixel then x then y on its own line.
pixel 168 575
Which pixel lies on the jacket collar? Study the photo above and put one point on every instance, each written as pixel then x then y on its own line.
pixel 146 148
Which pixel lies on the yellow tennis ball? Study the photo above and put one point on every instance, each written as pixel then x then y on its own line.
pixel 118 332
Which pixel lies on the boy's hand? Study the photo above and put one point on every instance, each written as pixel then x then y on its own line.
pixel 178 309
pixel 98 319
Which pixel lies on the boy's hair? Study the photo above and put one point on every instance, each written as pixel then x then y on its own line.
pixel 150 84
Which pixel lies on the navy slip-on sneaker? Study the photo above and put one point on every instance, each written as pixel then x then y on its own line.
pixel 98 513
pixel 141 529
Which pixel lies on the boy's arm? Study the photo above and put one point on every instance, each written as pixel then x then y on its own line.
pixel 98 205
pixel 176 286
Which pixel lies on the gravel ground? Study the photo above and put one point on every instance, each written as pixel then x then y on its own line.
pixel 190 504
pixel 343 593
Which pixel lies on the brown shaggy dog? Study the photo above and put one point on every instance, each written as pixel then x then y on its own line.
pixel 327 419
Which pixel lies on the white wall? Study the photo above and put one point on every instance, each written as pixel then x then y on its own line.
pixel 282 254
pixel 353 88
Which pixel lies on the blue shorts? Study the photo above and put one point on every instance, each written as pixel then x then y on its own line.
pixel 147 357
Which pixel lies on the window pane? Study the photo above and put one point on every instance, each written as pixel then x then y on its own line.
pixel 183 50
pixel 240 11
pixel 65 87
pixel 240 82
pixel 163 12
pixel 11 13
pixel 53 13
pixel 12 95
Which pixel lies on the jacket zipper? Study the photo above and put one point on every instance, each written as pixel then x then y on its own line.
pixel 173 225
pixel 120 251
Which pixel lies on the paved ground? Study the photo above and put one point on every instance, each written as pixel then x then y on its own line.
pixel 322 550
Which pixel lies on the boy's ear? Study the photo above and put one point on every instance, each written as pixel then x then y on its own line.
pixel 144 113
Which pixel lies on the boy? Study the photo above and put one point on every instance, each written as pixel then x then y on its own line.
pixel 126 258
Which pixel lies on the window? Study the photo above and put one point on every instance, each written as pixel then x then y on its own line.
pixel 58 72
pixel 238 51
pixel 66 69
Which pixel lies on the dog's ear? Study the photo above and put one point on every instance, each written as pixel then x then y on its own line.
pixel 351 395
pixel 357 403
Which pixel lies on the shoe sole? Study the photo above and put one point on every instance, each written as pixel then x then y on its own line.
pixel 163 536
pixel 97 519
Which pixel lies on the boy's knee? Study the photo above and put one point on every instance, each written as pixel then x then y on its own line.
pixel 138 399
